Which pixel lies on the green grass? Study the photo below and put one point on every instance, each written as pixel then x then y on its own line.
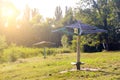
pixel 37 68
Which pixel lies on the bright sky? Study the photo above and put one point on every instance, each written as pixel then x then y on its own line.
pixel 46 7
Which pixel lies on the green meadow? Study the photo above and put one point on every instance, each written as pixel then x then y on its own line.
pixel 38 68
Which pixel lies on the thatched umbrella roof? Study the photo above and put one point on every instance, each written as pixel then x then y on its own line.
pixel 85 28
pixel 44 44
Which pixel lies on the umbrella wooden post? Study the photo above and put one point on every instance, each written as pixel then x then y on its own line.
pixel 78 53
pixel 44 53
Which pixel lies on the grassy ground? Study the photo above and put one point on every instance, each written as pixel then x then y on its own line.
pixel 38 68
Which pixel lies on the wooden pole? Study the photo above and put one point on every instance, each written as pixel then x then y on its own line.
pixel 78 53
pixel 44 52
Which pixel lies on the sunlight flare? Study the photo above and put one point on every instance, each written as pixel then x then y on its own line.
pixel 8 12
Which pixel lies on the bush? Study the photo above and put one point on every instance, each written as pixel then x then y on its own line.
pixel 53 51
pixel 74 45
pixel 114 46
pixel 3 43
pixel 64 50
pixel 13 53
pixel 97 48
pixel 64 41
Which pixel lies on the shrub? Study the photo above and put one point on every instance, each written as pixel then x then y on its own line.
pixel 3 43
pixel 65 50
pixel 74 45
pixel 64 41
pixel 13 53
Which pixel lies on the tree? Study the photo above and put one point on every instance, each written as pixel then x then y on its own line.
pixel 68 19
pixel 58 13
pixel 37 19
pixel 26 16
pixel 103 14
pixel 34 12
pixel 64 41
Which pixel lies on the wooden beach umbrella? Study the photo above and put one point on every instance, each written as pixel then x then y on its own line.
pixel 44 44
pixel 83 29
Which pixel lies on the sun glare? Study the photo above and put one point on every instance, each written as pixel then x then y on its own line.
pixel 10 12
pixel 6 24
pixel 7 12
pixel 19 4
pixel 45 7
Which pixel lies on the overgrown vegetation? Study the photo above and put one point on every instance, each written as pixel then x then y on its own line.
pixel 64 41
pixel 14 53
pixel 3 43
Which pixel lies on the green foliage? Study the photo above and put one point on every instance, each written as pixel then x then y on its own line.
pixel 58 13
pixel 64 41
pixel 31 28
pixel 3 43
pixel 103 14
pixel 37 19
pixel 64 50
pixel 14 53
pixel 54 51
pixel 74 44
pixel 91 40
pixel 68 19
